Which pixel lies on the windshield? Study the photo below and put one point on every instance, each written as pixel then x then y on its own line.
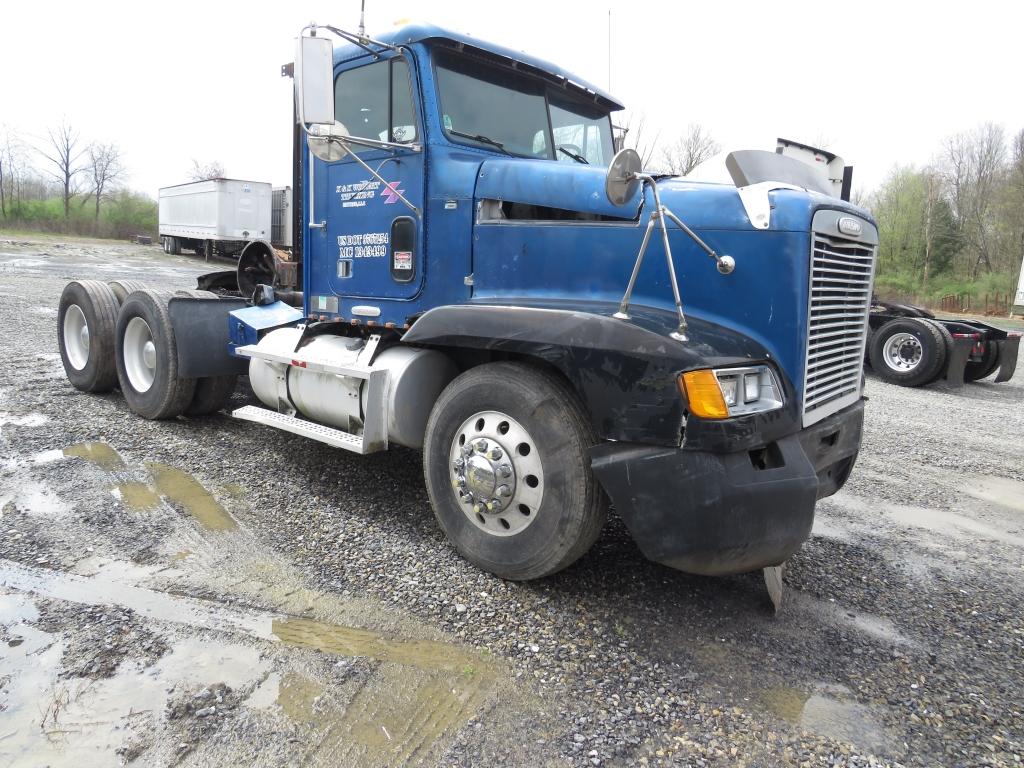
pixel 509 112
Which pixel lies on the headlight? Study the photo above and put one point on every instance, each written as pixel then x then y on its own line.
pixel 724 392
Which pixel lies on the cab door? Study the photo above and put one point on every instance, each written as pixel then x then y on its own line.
pixel 374 241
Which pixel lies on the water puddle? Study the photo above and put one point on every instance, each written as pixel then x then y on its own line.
pixel 33 498
pixel 829 711
pixel 101 454
pixel 136 496
pixel 420 693
pixel 185 491
pixel 22 420
pixel 74 722
pixel 295 693
pixel 951 524
pixel 998 490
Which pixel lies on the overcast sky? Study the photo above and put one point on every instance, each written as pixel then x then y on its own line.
pixel 877 82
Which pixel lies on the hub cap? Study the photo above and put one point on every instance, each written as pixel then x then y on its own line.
pixel 76 337
pixel 496 473
pixel 139 354
pixel 902 352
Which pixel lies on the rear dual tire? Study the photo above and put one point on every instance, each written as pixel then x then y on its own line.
pixel 86 320
pixel 147 358
pixel 909 352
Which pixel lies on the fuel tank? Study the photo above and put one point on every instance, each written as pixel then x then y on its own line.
pixel 415 379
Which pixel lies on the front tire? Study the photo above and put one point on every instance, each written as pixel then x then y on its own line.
pixel 147 358
pixel 507 467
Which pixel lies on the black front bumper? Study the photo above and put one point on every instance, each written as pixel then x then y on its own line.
pixel 721 513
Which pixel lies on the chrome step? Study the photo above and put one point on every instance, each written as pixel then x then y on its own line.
pixel 333 437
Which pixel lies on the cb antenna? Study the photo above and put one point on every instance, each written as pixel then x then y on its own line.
pixel 362 19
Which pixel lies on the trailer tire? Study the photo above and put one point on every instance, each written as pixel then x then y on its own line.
pixel 535 426
pixel 173 246
pixel 86 323
pixel 908 351
pixel 147 358
pixel 122 288
pixel 976 371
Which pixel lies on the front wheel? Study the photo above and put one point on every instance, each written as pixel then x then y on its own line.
pixel 507 467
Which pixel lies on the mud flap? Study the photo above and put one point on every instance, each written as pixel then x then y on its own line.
pixel 201 333
pixel 1007 358
pixel 773 581
pixel 956 361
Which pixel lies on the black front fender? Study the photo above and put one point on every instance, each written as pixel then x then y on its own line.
pixel 624 371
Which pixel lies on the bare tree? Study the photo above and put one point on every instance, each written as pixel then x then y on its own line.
pixel 202 172
pixel 973 166
pixel 689 150
pixel 65 155
pixel 633 136
pixel 104 168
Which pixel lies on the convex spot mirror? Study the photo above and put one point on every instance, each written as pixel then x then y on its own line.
pixel 314 80
pixel 620 184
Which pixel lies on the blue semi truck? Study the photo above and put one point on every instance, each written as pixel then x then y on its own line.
pixel 481 276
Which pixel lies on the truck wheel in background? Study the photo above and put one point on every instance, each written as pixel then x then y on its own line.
pixel 173 246
pixel 908 351
pixel 147 358
pixel 212 392
pixel 86 321
pixel 122 288
pixel 507 467
pixel 975 371
pixel 947 348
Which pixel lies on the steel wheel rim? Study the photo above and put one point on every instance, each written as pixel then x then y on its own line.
pixel 139 354
pixel 902 352
pixel 76 337
pixel 496 473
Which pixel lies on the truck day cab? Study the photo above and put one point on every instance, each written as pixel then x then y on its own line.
pixel 460 287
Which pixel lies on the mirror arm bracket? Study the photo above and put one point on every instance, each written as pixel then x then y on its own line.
pixel 399 195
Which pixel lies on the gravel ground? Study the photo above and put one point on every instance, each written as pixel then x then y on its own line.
pixel 208 592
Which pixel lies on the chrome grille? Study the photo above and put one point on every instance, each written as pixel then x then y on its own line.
pixel 839 300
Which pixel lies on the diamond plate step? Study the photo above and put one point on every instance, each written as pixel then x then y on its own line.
pixel 333 437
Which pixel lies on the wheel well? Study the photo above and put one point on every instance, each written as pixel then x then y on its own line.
pixel 466 358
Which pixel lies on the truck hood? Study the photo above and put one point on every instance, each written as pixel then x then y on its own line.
pixel 701 205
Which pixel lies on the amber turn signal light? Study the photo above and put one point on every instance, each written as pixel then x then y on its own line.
pixel 704 395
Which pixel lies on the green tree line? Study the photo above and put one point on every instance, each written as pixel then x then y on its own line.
pixel 64 184
pixel 956 225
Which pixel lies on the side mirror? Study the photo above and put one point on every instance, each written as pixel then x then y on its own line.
pixel 314 80
pixel 620 184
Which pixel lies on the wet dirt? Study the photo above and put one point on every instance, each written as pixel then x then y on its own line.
pixel 320 604
pixel 98 453
pixel 137 496
pixel 183 490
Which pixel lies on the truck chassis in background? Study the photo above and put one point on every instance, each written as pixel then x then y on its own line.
pixel 911 347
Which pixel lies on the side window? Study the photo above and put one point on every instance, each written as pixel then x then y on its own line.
pixel 375 101
pixel 403 112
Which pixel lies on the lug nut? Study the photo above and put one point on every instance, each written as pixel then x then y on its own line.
pixel 492 505
pixel 467 498
pixel 481 446
pixel 478 507
pixel 461 482
pixel 459 464
pixel 504 490
pixel 496 453
pixel 505 470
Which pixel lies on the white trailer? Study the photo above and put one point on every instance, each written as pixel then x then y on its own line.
pixel 214 217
